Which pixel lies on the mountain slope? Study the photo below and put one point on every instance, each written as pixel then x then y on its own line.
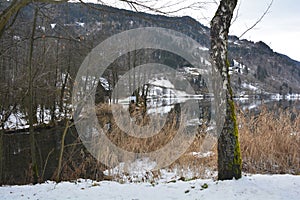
pixel 252 64
pixel 267 70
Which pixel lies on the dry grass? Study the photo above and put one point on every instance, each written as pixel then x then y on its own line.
pixel 195 165
pixel 79 163
pixel 131 143
pixel 270 141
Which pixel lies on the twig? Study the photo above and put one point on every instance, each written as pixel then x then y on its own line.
pixel 134 3
pixel 68 125
pixel 259 20
pixel 46 162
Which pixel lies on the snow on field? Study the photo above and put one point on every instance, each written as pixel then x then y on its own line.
pixel 249 86
pixel 252 187
pixel 162 83
pixel 15 121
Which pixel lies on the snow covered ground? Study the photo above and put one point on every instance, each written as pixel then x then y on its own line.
pixel 252 187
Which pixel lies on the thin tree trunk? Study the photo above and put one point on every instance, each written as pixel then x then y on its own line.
pixel 1 156
pixel 62 146
pixel 63 89
pixel 129 66
pixel 229 156
pixel 31 129
pixel 53 109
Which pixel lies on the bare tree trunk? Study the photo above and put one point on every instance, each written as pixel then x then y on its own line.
pixel 63 88
pixel 229 156
pixel 53 99
pixel 62 147
pixel 1 155
pixel 129 69
pixel 30 102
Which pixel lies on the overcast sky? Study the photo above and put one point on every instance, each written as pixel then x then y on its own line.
pixel 280 28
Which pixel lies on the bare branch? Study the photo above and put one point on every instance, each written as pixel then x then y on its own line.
pixel 132 5
pixel 15 6
pixel 259 20
pixel 195 5
pixel 135 3
pixel 237 13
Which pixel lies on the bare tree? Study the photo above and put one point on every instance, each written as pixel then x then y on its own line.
pixel 1 155
pixel 229 156
pixel 30 102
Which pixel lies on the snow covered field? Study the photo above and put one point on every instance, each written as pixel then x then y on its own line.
pixel 252 187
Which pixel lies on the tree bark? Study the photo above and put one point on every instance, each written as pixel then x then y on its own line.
pixel 62 147
pixel 1 155
pixel 229 156
pixel 31 112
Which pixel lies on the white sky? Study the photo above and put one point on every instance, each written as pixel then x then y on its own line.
pixel 280 28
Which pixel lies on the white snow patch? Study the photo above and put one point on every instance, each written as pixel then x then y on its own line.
pixel 53 26
pixel 249 86
pixel 80 24
pixel 202 154
pixel 162 83
pixel 137 171
pixel 207 63
pixel 253 187
pixel 43 28
pixel 203 48
pixel 16 120
pixel 104 82
pixel 276 97
pixel 195 71
pixel 43 115
pixel 160 109
pixel 237 43
pixel 293 96
pixel 16 37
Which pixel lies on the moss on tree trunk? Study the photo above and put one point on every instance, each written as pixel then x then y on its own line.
pixel 229 156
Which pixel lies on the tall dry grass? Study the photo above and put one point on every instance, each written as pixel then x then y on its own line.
pixel 125 140
pixel 270 141
pixel 196 165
